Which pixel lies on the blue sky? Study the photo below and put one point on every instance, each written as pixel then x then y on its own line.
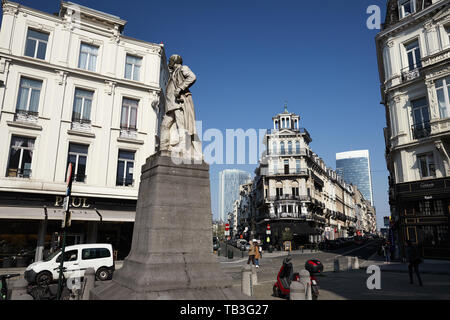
pixel 250 57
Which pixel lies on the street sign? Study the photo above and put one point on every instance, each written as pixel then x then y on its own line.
pixel 67 219
pixel 69 174
pixel 66 203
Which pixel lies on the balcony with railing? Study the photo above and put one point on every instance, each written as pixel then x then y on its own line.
pixel 128 132
pixel 81 124
pixel 411 72
pixel 26 116
pixel 421 130
pixel 293 172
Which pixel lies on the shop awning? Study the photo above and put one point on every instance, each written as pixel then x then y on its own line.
pixel 24 213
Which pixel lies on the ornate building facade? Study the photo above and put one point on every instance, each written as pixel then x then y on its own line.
pixel 413 51
pixel 295 192
pixel 74 89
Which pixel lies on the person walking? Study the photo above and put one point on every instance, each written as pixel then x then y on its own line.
pixel 387 252
pixel 414 259
pixel 257 254
pixel 251 253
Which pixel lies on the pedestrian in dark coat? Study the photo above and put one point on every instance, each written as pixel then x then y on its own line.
pixel 414 259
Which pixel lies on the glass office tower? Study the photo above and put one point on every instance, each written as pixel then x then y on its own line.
pixel 354 168
pixel 229 183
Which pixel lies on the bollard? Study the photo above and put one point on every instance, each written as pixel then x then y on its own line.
pixel 297 291
pixel 306 281
pixel 349 264
pixel 246 283
pixel 355 263
pixel 88 283
pixel 336 265
pixel 19 290
pixel 254 276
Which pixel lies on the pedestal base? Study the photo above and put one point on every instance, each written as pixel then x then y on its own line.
pixel 171 257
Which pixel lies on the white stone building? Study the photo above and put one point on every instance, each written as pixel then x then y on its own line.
pixel 74 89
pixel 413 51
pixel 294 189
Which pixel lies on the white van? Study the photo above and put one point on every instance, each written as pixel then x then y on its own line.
pixel 77 259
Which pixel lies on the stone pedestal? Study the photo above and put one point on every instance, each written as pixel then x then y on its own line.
pixel 171 255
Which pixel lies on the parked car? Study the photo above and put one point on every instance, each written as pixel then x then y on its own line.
pixel 77 259
pixel 241 244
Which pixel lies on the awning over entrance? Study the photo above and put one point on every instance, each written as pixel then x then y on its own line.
pixel 24 213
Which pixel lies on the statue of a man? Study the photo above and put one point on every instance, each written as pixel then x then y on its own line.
pixel 178 131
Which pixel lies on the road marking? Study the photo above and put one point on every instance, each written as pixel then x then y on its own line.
pixel 345 253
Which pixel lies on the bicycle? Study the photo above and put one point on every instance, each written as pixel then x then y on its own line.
pixel 4 285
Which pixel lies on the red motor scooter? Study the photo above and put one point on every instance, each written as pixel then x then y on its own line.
pixel 285 276
pixel 314 267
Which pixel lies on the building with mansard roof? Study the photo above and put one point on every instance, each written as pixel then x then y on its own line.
pixel 295 192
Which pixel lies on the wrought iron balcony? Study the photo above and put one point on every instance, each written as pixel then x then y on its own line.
pixel 81 124
pixel 411 72
pixel 421 130
pixel 128 132
pixel 26 116
pixel 82 121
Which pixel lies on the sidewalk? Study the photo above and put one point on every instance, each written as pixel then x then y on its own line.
pixel 275 254
pixel 428 266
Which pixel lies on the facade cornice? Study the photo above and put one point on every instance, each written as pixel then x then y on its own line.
pixel 82 73
pixel 98 15
pixel 414 19
pixel 10 7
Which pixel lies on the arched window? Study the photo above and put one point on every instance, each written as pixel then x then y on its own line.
pixel 290 147
pixel 283 151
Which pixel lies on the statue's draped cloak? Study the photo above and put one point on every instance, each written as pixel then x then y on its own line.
pixel 182 79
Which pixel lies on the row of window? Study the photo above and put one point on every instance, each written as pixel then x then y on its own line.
pixel 36 47
pixel 29 96
pixel 21 156
pixel 286 123
pixel 283 147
